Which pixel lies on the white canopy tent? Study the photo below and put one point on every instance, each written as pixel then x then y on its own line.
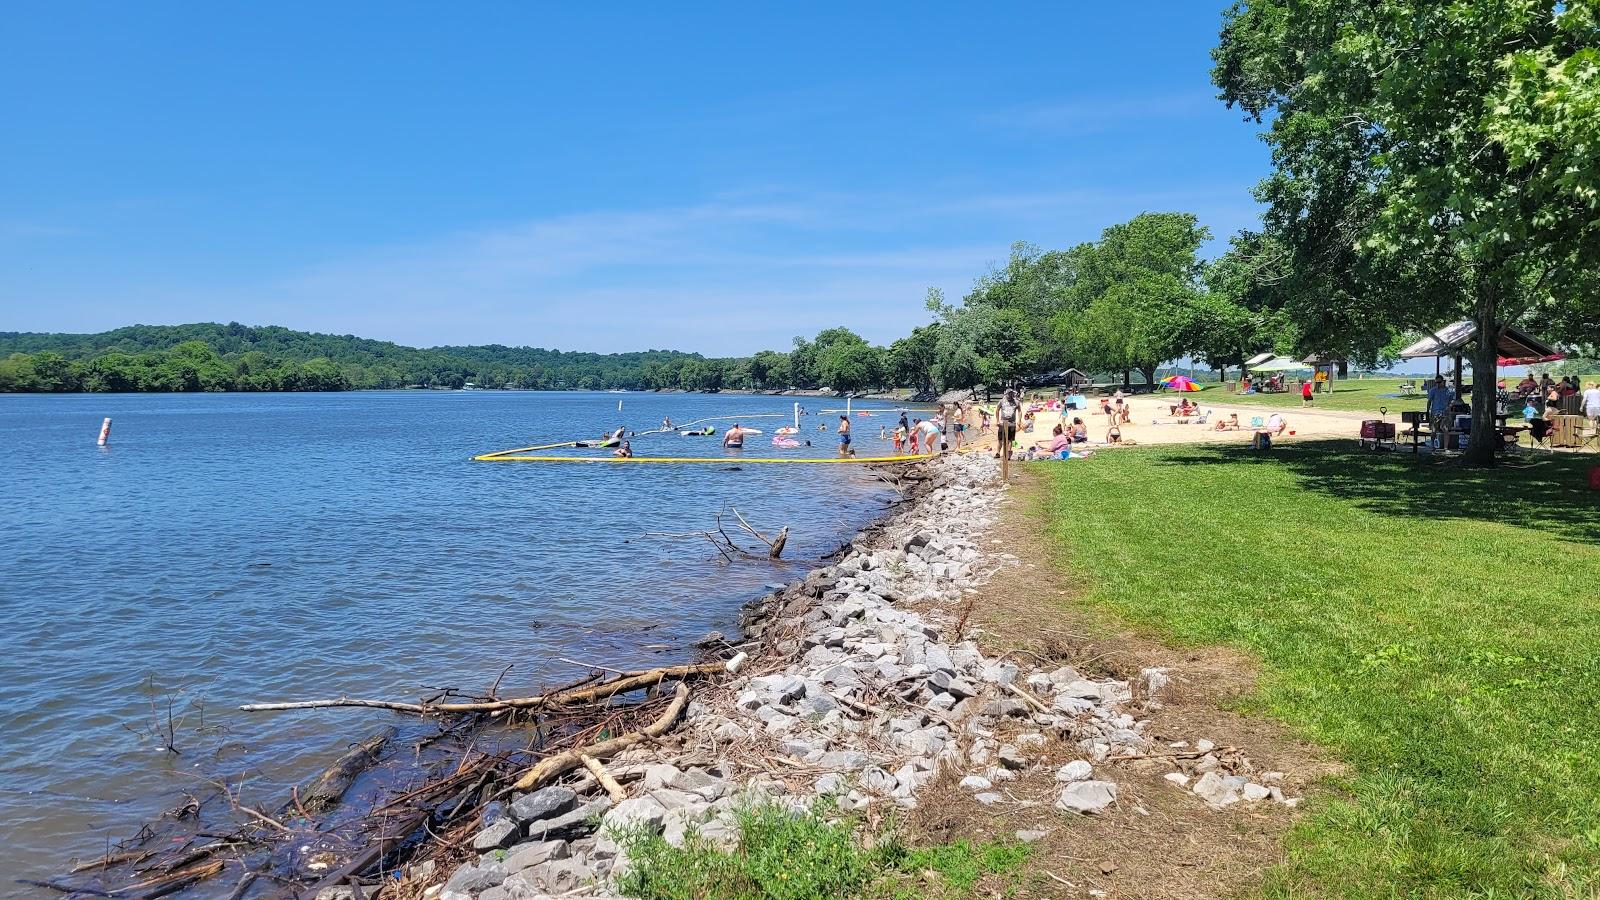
pixel 1279 364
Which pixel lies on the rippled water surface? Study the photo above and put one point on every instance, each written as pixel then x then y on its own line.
pixel 230 548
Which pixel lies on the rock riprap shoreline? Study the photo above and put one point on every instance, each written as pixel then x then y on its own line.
pixel 860 686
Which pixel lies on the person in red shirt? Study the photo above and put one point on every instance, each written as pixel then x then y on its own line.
pixel 1305 393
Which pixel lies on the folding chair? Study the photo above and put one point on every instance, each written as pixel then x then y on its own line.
pixel 1539 432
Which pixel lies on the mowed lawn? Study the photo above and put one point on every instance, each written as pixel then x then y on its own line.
pixel 1436 628
pixel 1365 395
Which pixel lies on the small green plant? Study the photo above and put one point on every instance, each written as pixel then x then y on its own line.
pixel 961 864
pixel 781 854
pixel 787 854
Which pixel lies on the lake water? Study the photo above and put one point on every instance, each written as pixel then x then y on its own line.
pixel 239 547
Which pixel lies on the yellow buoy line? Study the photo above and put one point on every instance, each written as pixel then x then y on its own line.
pixel 504 456
pixel 519 454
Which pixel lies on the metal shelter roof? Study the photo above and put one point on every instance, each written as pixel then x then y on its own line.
pixel 1515 346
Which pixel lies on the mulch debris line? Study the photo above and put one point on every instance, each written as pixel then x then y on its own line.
pixel 859 682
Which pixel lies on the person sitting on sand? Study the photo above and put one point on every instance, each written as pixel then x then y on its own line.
pixel 1124 412
pixel 734 438
pixel 623 452
pixel 1080 431
pixel 1231 423
pixel 1059 439
pixel 1113 435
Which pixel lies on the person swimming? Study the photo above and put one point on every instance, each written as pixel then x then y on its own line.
pixel 733 439
pixel 623 452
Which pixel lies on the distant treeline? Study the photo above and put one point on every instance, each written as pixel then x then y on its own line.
pixel 234 357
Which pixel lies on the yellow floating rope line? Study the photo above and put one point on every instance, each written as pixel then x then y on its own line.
pixel 502 456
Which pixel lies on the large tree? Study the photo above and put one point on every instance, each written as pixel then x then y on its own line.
pixel 1135 294
pixel 1448 153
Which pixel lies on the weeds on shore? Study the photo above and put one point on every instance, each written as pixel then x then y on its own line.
pixel 784 854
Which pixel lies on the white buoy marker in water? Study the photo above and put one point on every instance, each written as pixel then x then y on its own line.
pixel 105 432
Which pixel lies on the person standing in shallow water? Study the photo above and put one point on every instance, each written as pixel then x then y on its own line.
pixel 844 437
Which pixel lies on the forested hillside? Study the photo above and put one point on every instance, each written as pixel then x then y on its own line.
pixel 234 357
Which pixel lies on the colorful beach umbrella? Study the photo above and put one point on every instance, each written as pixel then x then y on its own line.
pixel 1180 383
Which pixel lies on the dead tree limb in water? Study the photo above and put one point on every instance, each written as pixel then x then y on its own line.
pixel 551 766
pixel 774 545
pixel 621 685
pixel 326 790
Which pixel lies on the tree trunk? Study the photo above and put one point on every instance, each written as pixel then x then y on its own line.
pixel 1344 368
pixel 1126 378
pixel 1149 375
pixel 1485 440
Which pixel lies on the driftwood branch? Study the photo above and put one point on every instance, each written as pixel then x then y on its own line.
pixel 600 774
pixel 774 545
pixel 621 685
pixel 327 789
pixel 551 766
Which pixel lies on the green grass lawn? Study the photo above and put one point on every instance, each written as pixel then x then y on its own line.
pixel 1437 628
pixel 1365 395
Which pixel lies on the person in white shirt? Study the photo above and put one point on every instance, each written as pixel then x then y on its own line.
pixel 1591 403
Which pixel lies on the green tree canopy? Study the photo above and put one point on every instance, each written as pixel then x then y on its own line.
pixel 1443 152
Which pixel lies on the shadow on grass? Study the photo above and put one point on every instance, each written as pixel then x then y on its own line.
pixel 1540 490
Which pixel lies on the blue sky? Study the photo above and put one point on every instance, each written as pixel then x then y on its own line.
pixel 710 177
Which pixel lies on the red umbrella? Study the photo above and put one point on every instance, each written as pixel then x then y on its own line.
pixel 1530 360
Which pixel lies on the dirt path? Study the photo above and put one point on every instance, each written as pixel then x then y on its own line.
pixel 1158 841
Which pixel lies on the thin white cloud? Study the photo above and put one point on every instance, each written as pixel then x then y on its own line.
pixel 1091 115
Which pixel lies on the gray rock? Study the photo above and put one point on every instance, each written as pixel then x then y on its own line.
pixel 1082 689
pixel 1000 673
pixel 787 688
pixel 988 798
pixel 961 689
pixel 729 731
pixel 528 855
pixel 1031 835
pixel 844 760
pixel 831 783
pixel 1254 792
pixel 1073 705
pixel 575 818
pixel 542 804
pixel 1001 708
pixel 922 742
pixel 938 659
pixel 877 780
pixel 500 833
pixel 1155 681
pixel 560 876
pixel 1077 770
pixel 700 782
pixel 1219 790
pixel 1011 757
pixel 904 724
pixel 976 783
pixel 658 775
pixel 1087 797
pixel 473 879
pixel 818 705
pixel 673 799
pixel 630 816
